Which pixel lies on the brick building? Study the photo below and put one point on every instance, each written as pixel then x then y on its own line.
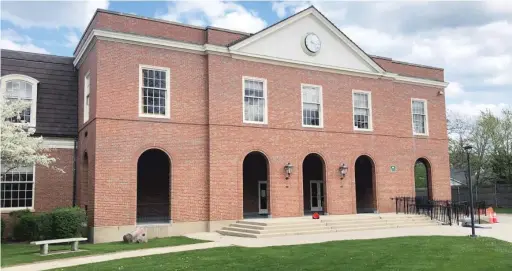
pixel 186 129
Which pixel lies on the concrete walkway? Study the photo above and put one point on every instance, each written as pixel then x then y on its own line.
pixel 502 231
pixel 61 263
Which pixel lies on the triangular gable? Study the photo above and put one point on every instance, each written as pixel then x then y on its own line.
pixel 283 41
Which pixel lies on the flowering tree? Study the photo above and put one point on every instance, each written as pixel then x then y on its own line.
pixel 18 146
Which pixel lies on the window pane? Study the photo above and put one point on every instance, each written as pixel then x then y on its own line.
pixel 16 187
pixel 311 114
pixel 154 92
pixel 254 101
pixel 311 95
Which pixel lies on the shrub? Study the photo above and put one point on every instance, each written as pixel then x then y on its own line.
pixel 26 228
pixel 60 223
pixel 3 229
pixel 67 222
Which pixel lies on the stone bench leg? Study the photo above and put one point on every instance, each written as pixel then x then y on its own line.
pixel 43 249
pixel 74 246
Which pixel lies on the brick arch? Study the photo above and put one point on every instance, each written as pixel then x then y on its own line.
pixel 250 186
pixel 365 202
pixel 428 165
pixel 306 185
pixel 153 205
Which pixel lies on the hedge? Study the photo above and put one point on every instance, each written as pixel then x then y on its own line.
pixel 60 223
pixel 67 222
pixel 3 229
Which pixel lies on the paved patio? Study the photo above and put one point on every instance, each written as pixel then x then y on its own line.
pixel 500 231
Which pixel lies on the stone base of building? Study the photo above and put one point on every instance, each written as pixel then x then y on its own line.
pixel 116 233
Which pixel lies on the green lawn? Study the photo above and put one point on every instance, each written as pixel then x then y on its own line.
pixel 504 210
pixel 19 253
pixel 404 253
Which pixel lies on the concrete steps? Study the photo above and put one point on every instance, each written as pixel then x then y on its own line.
pixel 261 228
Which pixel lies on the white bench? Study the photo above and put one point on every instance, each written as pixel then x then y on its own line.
pixel 44 243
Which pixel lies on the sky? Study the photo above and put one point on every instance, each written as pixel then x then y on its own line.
pixel 471 40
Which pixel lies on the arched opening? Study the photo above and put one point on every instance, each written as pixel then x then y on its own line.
pixel 153 187
pixel 255 185
pixel 365 185
pixel 85 182
pixel 313 184
pixel 422 180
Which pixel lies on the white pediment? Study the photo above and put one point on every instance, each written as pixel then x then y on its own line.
pixel 285 41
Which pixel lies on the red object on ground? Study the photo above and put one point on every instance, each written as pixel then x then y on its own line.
pixel 495 218
pixel 316 216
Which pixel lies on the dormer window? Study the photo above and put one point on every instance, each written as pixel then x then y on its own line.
pixel 21 87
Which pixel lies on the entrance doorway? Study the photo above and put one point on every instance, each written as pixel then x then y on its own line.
pixel 262 196
pixel 422 181
pixel 256 194
pixel 317 195
pixel 365 185
pixel 153 187
pixel 313 184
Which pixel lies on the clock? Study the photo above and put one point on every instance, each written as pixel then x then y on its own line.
pixel 313 43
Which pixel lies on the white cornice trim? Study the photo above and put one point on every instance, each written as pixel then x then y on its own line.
pixel 58 143
pixel 417 81
pixel 300 64
pixel 216 49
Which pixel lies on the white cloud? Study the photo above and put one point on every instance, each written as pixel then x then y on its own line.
pixel 71 39
pixel 454 90
pixel 11 40
pixel 469 108
pixel 50 14
pixel 215 13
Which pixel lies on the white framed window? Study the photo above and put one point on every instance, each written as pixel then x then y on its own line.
pixel 154 92
pixel 87 96
pixel 362 110
pixel 312 106
pixel 21 87
pixel 419 116
pixel 17 188
pixel 254 100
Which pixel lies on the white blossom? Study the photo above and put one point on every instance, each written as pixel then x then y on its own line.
pixel 18 145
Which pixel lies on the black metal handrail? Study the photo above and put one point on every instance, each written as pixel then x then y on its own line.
pixel 445 211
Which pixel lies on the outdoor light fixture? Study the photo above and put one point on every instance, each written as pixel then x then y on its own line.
pixel 343 170
pixel 288 168
pixel 468 148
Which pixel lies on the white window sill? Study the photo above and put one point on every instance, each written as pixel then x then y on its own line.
pixel 255 122
pixel 363 130
pixel 313 126
pixel 154 116
pixel 14 209
pixel 417 134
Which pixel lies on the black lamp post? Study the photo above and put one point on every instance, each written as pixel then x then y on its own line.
pixel 468 148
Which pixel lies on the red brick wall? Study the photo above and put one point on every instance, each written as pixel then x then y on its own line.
pixel 219 37
pixel 284 140
pixel 87 144
pixel 207 141
pixel 119 23
pixel 410 69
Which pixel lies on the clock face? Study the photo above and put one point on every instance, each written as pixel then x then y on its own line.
pixel 313 43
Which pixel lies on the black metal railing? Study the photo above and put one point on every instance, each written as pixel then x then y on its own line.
pixel 445 211
pixel 153 213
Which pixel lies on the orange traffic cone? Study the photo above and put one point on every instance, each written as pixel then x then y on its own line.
pixel 491 218
pixel 495 218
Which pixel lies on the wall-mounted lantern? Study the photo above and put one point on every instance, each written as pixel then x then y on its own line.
pixel 288 168
pixel 343 170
